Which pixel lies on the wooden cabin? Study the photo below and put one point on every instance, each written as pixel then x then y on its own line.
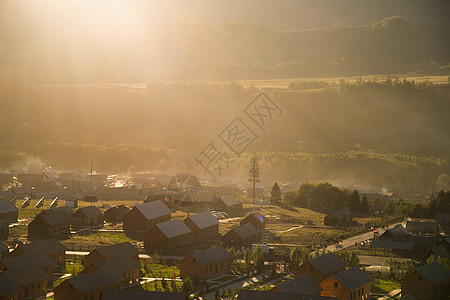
pixel 202 225
pixel 205 264
pixel 144 216
pixel 167 235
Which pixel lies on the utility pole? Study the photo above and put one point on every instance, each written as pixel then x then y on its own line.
pixel 254 174
pixel 91 163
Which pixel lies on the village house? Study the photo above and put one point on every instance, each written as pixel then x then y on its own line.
pixel 142 295
pixel 8 289
pixel 351 284
pixel 167 235
pixel 124 265
pixel 90 286
pixel 41 261
pixel 52 248
pixel 49 223
pixel 443 220
pixel 110 252
pixel 427 282
pixel 4 230
pixel 299 285
pixel 202 225
pixel 320 268
pixel 4 250
pixel 31 281
pixel 115 214
pixel 242 236
pixel 338 217
pixel 228 204
pixel 256 219
pixel 88 216
pixel 422 228
pixel 205 264
pixel 144 216
pixel 438 250
pixel 7 195
pixel 8 211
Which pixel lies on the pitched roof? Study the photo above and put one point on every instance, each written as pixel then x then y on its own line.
pixel 154 209
pixel 388 244
pixel 345 211
pixel 95 280
pixel 257 216
pixel 352 278
pixel 173 228
pixel 122 264
pixel 260 295
pixel 55 217
pixel 327 263
pixel 203 220
pixel 337 214
pixel 7 286
pixel 397 231
pixel 113 294
pixel 7 206
pixel 230 200
pixel 434 272
pixel 211 255
pixel 89 211
pixel 300 285
pixel 245 231
pixel 439 250
pixel 26 276
pixel 117 250
pixel 47 247
pixel 423 227
pixel 28 260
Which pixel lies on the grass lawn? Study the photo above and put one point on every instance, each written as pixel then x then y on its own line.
pixel 382 286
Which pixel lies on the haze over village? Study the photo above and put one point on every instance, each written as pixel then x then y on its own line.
pixel 175 150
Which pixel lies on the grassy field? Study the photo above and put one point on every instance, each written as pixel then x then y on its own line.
pixel 381 286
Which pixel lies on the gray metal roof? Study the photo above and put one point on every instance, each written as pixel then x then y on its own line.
pixel 345 211
pixel 337 214
pixel 440 250
pixel 89 211
pixel 246 230
pixel 397 231
pixel 117 250
pixel 122 264
pixel 7 206
pixel 388 244
pixel 421 227
pixel 55 217
pixel 26 276
pixel 95 280
pixel 7 286
pixel 204 220
pixel 300 285
pixel 113 294
pixel 434 272
pixel 230 200
pixel 173 228
pixel 211 255
pixel 352 278
pixel 327 263
pixel 260 295
pixel 153 210
pixel 28 260
pixel 47 247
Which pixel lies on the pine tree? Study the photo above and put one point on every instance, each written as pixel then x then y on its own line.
pixel 258 258
pixel 253 174
pixel 355 202
pixel 275 194
pixel 364 204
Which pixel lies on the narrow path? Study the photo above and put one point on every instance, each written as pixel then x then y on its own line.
pixel 287 230
pixel 390 294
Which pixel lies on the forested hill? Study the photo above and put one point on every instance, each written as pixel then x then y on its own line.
pixel 209 40
pixel 122 126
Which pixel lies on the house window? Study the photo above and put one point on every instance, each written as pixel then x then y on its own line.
pixel 420 277
pixel 311 268
pixel 335 284
pixel 362 291
pixel 194 260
